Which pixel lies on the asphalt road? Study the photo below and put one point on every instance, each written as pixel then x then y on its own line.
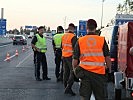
pixel 17 80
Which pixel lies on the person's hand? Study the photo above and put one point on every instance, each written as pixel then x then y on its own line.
pixel 37 49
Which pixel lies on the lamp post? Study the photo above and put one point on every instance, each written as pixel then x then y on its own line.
pixel 65 23
pixel 102 14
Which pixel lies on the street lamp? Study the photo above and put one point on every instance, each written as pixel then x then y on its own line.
pixel 102 14
pixel 65 23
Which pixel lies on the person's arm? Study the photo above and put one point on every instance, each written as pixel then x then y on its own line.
pixel 108 63
pixel 33 42
pixel 76 55
pixel 107 56
pixel 53 44
pixel 74 40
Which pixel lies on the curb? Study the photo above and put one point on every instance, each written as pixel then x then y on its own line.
pixel 5 43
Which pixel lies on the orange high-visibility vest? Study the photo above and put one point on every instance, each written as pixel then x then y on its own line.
pixel 91 53
pixel 67 50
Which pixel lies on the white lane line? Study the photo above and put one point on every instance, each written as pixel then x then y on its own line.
pixel 23 60
pixel 3 46
pixel 10 57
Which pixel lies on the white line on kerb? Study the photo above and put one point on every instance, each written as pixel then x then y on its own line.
pixel 23 60
pixel 10 57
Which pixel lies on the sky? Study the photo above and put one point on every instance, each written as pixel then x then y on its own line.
pixel 53 13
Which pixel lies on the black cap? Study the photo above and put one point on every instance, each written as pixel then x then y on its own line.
pixel 60 28
pixel 41 27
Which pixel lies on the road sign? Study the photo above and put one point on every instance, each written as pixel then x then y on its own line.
pixel 82 27
pixel 2 26
pixel 28 27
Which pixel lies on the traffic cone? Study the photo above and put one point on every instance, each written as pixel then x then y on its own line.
pixel 23 49
pixel 7 57
pixel 16 52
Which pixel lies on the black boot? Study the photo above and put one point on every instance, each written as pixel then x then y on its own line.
pixel 46 78
pixel 68 90
pixel 59 79
pixel 38 79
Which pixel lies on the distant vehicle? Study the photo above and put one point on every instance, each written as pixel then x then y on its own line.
pixel 124 76
pixel 30 36
pixel 19 39
pixel 11 36
pixel 111 35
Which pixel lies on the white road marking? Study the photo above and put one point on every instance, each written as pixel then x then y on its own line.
pixel 3 46
pixel 10 57
pixel 23 60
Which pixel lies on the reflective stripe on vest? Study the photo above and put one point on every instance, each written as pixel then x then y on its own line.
pixel 41 43
pixel 91 54
pixel 93 63
pixel 69 45
pixel 70 51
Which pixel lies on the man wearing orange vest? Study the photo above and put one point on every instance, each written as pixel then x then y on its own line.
pixel 68 43
pixel 92 52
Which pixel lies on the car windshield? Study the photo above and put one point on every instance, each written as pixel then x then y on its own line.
pixel 18 37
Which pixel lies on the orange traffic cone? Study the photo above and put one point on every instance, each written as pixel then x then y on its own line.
pixel 7 57
pixel 23 49
pixel 16 52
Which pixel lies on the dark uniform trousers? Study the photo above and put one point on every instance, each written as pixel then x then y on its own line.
pixel 92 82
pixel 41 60
pixel 68 74
pixel 35 57
pixel 58 61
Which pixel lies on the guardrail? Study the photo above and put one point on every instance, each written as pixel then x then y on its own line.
pixel 5 40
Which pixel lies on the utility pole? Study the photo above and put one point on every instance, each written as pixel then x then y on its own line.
pixel 2 13
pixel 65 23
pixel 102 14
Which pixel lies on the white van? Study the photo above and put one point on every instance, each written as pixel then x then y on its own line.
pixel 107 33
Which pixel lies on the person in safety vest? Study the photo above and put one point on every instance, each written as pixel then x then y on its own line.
pixel 68 43
pixel 58 52
pixel 39 44
pixel 92 52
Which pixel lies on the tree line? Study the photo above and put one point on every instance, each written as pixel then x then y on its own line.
pixel 27 31
pixel 126 7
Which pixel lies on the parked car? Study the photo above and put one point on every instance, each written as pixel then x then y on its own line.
pixel 30 36
pixel 19 39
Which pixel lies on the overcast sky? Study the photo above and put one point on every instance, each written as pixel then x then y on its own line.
pixel 52 12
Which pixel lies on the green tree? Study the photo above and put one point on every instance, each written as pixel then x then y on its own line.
pixel 48 30
pixel 119 8
pixel 126 7
pixel 15 31
pixel 131 6
pixel 21 30
pixel 45 28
